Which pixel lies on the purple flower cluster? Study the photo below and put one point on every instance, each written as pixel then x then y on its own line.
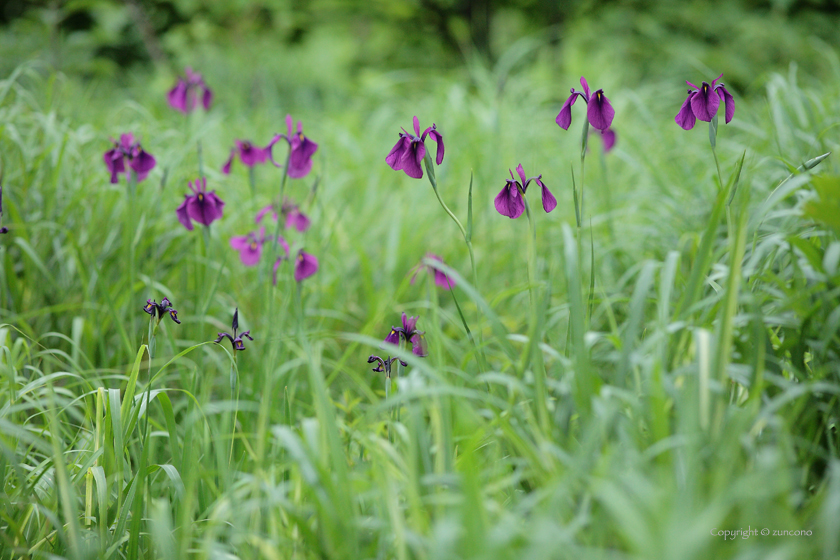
pixel 158 310
pixel 184 97
pixel 130 152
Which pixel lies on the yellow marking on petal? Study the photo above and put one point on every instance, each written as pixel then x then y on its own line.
pixel 200 197
pixel 253 245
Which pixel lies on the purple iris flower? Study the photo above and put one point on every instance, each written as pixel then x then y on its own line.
pixel 140 161
pixel 408 332
pixel 249 246
pixel 703 102
pixel 184 96
pixel 235 338
pixel 410 149
pixel 249 154
pixel 441 279
pixel 305 266
pixel 3 229
pixel 510 201
pixel 159 309
pixel 301 150
pixel 384 365
pixel 598 109
pixel 294 217
pixel 202 206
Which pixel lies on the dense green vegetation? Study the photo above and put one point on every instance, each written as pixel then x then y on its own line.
pixel 684 373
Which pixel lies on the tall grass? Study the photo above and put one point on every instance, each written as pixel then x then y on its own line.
pixel 699 394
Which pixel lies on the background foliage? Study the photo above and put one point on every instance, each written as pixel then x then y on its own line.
pixel 696 390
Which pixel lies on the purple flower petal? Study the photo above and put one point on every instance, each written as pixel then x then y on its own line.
pixel 599 111
pixel 705 103
pixel 226 166
pixel 177 96
pixel 250 154
pixel 263 211
pixel 418 346
pixel 728 100
pixel 438 138
pixel 249 247
pixel 608 136
pixel 685 118
pixel 521 172
pixel 509 202
pixel 393 337
pixel 412 158
pixel 183 215
pixel 114 163
pixel 297 220
pixel 305 266
pixel 207 98
pixel 564 118
pixel 142 163
pixel 548 201
pixel 585 88
pixel 300 159
pixel 409 323
pixel 395 157
pixel 416 126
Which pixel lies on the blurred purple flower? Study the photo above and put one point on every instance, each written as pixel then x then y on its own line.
pixel 159 309
pixel 235 338
pixel 703 102
pixel 409 151
pixel 201 206
pixel 301 150
pixel 384 365
pixel 291 211
pixel 249 247
pixel 408 332
pixel 184 96
pixel 599 111
pixel 441 279
pixel 139 161
pixel 509 202
pixel 608 137
pixel 248 153
pixel 305 266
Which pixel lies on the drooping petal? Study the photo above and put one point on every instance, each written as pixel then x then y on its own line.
pixel 250 154
pixel 300 158
pixel 418 346
pixel 226 166
pixel 509 202
pixel 705 103
pixel 173 313
pixel 142 163
pixel 177 96
pixel 728 100
pixel 183 215
pixel 599 111
pixel 608 136
pixel 564 118
pixel 297 220
pixel 393 337
pixel 685 118
pixel 412 159
pixel 438 138
pixel 395 157
pixel 548 201
pixel 114 163
pixel 442 280
pixel 207 98
pixel 305 266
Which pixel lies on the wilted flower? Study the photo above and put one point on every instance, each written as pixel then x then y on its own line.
pixel 509 202
pixel 409 333
pixel 305 266
pixel 159 309
pixel 410 150
pixel 292 215
pixel 384 365
pixel 598 109
pixel 201 206
pixel 441 279
pixel 235 339
pixel 249 154
pixel 703 102
pixel 139 161
pixel 184 96
pixel 301 150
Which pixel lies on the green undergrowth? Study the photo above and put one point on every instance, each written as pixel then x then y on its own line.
pixel 666 370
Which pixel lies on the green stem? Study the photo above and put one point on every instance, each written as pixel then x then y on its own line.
pixel 200 159
pixel 252 179
pixel 533 350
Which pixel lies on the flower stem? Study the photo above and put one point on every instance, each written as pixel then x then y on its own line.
pixel 430 172
pixel 533 347
pixel 200 159
pixel 252 179
pixel 279 206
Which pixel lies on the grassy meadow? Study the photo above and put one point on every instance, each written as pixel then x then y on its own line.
pixel 628 384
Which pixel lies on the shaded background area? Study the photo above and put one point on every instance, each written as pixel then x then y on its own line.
pixel 631 41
